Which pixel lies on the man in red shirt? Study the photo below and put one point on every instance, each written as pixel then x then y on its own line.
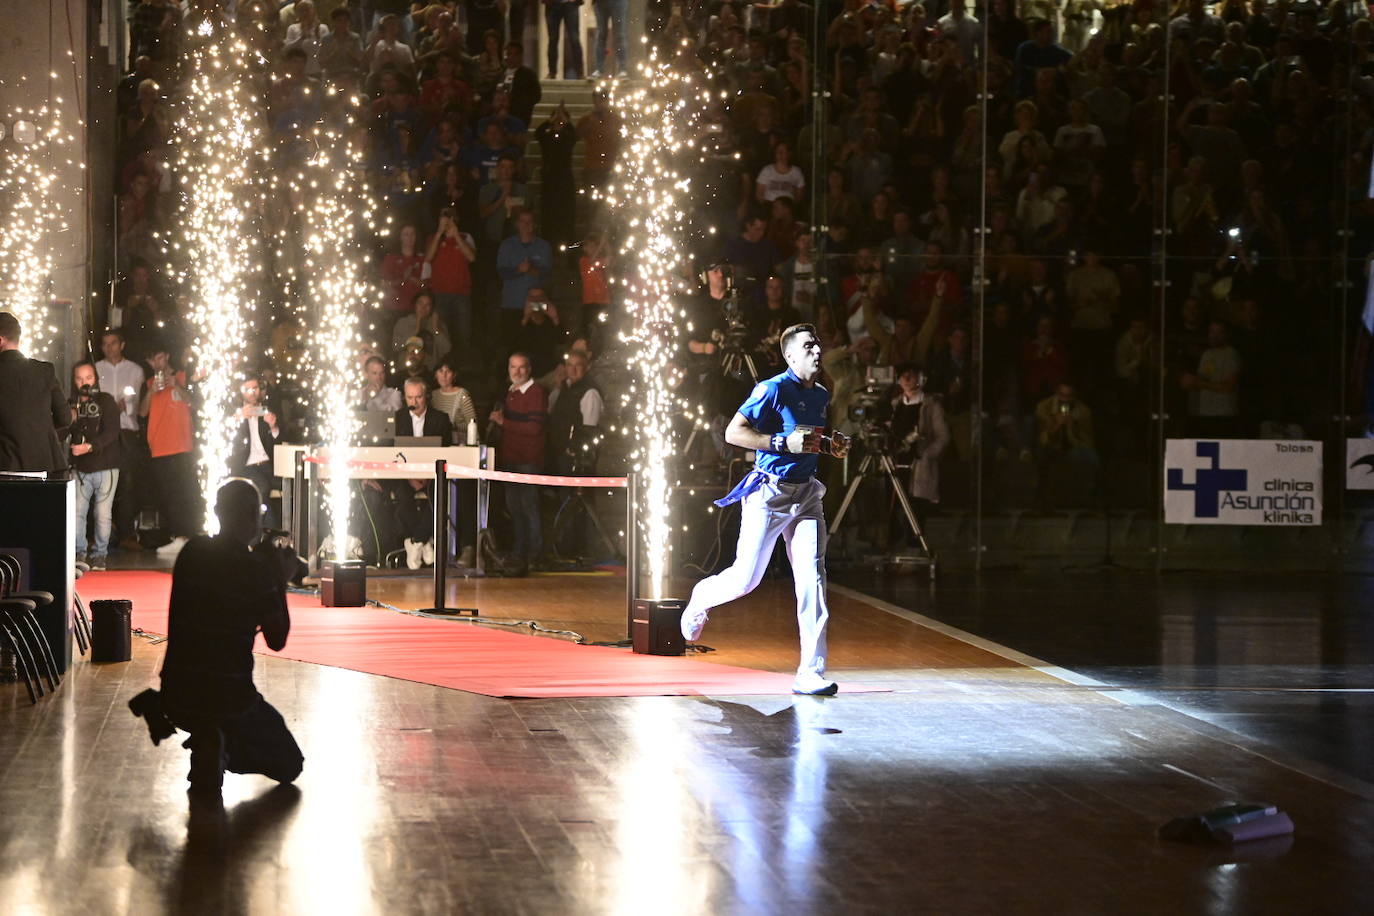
pixel 445 92
pixel 167 406
pixel 522 418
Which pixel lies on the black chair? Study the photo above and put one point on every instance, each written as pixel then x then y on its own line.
pixel 12 637
pixel 81 621
pixel 27 617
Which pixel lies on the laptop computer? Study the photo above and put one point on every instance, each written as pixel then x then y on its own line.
pixel 378 428
pixel 418 442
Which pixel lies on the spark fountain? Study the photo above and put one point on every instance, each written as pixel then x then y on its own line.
pixel 336 211
pixel 219 140
pixel 650 198
pixel 29 214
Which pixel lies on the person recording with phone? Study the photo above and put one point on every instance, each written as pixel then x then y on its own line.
pixel 96 453
pixel 251 455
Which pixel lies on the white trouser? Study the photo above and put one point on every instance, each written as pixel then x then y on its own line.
pixel 794 511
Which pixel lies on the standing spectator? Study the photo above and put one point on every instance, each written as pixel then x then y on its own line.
pixel 599 131
pixel 402 271
pixel 753 258
pixel 902 252
pixel 1094 295
pixel 33 413
pixel 1039 51
pixel 251 455
pixel 520 82
pixel 389 50
pixel 615 14
pixel 308 34
pixel 594 264
pixel 341 52
pixel 801 274
pixel 445 92
pixel 1213 403
pixel 522 418
pixel 448 259
pixel 951 376
pixel 964 30
pixel 558 197
pixel 122 379
pixel 921 435
pixel 95 459
pixel 523 263
pixel 167 406
pixel 564 13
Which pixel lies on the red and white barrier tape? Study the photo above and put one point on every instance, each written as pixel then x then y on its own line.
pixel 426 469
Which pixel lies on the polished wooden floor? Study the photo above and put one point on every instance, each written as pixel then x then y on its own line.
pixel 978 785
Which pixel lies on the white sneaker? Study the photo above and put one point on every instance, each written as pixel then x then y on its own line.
pixel 693 624
pixel 172 547
pixel 415 554
pixel 467 557
pixel 809 683
pixel 427 553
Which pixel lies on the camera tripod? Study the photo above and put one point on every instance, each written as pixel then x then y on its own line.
pixel 735 359
pixel 875 462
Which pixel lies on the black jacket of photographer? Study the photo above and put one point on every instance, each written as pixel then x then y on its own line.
pixel 97 423
pixel 222 595
pixel 34 415
pixel 571 443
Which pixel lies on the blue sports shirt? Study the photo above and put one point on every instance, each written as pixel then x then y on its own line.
pixel 779 405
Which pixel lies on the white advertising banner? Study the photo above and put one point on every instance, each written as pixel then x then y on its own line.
pixel 1242 482
pixel 1359 464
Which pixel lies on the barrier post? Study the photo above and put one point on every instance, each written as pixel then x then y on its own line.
pixel 298 502
pixel 440 508
pixel 631 550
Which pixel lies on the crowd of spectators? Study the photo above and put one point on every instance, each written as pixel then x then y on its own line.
pixel 1080 216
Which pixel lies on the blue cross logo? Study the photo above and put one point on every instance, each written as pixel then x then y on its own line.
pixel 1208 483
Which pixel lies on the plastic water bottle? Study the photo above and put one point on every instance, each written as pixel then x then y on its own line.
pixel 472 432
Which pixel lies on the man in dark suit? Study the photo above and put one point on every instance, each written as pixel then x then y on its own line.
pixel 251 455
pixel 34 415
pixel 521 83
pixel 416 516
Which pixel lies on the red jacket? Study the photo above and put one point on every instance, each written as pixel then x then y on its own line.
pixel 522 435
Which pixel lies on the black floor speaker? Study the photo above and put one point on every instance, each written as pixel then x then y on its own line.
pixel 656 628
pixel 343 584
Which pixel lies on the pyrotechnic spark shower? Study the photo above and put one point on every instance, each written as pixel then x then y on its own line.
pixel 218 143
pixel 650 195
pixel 336 211
pixel 30 214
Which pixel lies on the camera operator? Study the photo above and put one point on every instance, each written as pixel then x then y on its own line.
pixel 251 455
pixel 920 436
pixel 96 453
pixel 226 589
pixel 717 339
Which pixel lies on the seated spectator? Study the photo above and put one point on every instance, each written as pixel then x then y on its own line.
pixel 1068 451
pixel 515 129
pixel 451 399
pixel 780 178
pixel 1026 115
pixel 423 322
pixel 1044 362
pixel 1038 52
pixel 499 202
pixel 295 95
pixel 375 395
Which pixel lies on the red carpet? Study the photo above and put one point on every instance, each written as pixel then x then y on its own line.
pixel 465 656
